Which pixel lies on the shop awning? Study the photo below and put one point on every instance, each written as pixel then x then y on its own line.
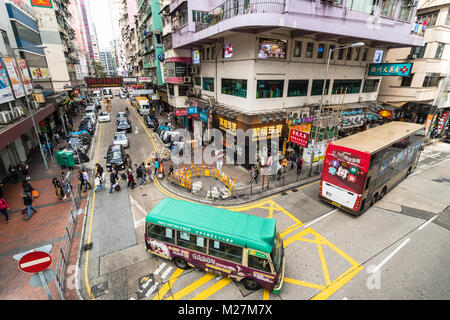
pixel 397 104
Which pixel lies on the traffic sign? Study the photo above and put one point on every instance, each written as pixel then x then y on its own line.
pixel 34 262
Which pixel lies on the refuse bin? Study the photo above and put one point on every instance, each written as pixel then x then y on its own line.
pixel 69 159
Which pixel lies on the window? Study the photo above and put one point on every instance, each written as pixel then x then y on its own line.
pixel 309 49
pixel 366 6
pixel 182 91
pixel 419 51
pixel 235 87
pixel 197 81
pixel 340 53
pixel 370 85
pixel 298 88
pixel 298 49
pixel 207 54
pixel 269 89
pixel 317 87
pixel 429 17
pixel 198 16
pixel 158 232
pixel 191 241
pixel 320 51
pixel 406 10
pixel 259 263
pixel 331 47
pixel 208 84
pixel 388 7
pixel 158 38
pixel 431 80
pixel 358 53
pixel 171 90
pixel 439 50
pixel 346 86
pixel 349 54
pixel 406 81
pixel 225 251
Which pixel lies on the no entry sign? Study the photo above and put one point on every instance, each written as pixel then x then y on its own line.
pixel 34 262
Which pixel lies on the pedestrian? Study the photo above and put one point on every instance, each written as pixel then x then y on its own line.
pixel 98 182
pixel 140 176
pixel 299 165
pixel 99 169
pixel 131 183
pixel 113 180
pixel 252 175
pixel 81 182
pixel 128 161
pixel 24 169
pixel 293 160
pixel 28 202
pixel 4 206
pixel 86 180
pixel 161 171
pixel 13 172
pixel 156 166
pixel 58 188
pixel 148 169
pixel 67 188
pixel 27 188
pixel 56 137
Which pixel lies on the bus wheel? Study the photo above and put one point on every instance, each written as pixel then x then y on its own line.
pixel 409 172
pixel 374 199
pixel 251 284
pixel 180 263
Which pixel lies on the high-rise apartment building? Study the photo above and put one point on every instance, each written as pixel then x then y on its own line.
pixel 107 62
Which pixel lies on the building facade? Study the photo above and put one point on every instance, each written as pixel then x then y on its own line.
pixel 107 62
pixel 127 27
pixel 423 97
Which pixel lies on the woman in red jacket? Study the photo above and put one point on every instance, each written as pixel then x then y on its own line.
pixel 4 209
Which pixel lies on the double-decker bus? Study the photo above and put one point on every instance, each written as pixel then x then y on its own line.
pixel 240 246
pixel 360 169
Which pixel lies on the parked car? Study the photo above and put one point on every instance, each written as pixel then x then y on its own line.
pixel 149 122
pixel 91 117
pixel 86 125
pixel 121 116
pixel 90 108
pixel 104 117
pixel 116 93
pixel 115 155
pixel 121 138
pixel 124 125
pixel 123 95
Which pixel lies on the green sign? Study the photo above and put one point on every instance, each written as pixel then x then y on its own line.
pixel 390 69
pixel 324 133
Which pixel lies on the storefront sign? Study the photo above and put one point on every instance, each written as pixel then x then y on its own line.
pixel 385 113
pixel 25 76
pixel 324 133
pixel 6 93
pixel 227 125
pixel 267 132
pixel 303 120
pixel 192 110
pixel 442 122
pixel 42 3
pixel 145 79
pixel 181 112
pixel 130 80
pixel 40 73
pixel 390 69
pixel 14 79
pixel 306 128
pixel 298 137
pixel 204 116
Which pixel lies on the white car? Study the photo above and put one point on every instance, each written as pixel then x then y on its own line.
pixel 104 117
pixel 121 138
pixel 123 95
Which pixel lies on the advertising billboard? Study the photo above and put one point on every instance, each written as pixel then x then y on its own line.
pixel 25 76
pixel 6 93
pixel 228 50
pixel 196 57
pixel 272 48
pixel 14 79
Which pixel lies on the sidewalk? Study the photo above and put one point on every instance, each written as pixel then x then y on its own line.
pixel 46 227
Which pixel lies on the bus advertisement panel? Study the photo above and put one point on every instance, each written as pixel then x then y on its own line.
pixel 344 175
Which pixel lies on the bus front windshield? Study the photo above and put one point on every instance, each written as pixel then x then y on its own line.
pixel 277 253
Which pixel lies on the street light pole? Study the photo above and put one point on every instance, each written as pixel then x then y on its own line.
pixel 355 45
pixel 31 112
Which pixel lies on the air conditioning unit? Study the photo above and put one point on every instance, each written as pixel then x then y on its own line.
pixel 194 70
pixel 19 111
pixel 5 117
pixel 197 91
pixel 14 114
pixel 412 56
pixel 187 79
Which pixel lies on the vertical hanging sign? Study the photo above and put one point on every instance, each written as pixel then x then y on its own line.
pixel 42 3
pixel 13 74
pixel 6 93
pixel 25 76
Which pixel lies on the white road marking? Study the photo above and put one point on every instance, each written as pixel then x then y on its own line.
pixel 152 289
pixel 164 275
pixel 427 223
pixel 34 262
pixel 320 218
pixel 390 256
pixel 160 268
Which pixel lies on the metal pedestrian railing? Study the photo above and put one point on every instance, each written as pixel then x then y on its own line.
pixel 233 8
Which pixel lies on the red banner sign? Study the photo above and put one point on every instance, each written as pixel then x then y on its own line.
pixel 181 112
pixel 298 137
pixel 42 3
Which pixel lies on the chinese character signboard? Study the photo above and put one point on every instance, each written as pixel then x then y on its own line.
pixel 299 137
pixel 192 110
pixel 267 132
pixel 25 76
pixel 181 112
pixel 6 94
pixel 13 74
pixel 42 3
pixel 390 69
pixel 39 73
pixel 227 125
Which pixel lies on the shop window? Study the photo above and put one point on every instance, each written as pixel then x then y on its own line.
pixel 191 241
pixel 197 81
pixel 298 88
pixel 439 50
pixel 235 87
pixel 346 86
pixel 371 85
pixel 269 89
pixel 208 84
pixel 225 251
pixel 387 8
pixel 317 86
pixel 309 49
pixel 320 51
pixel 406 81
pixel 298 49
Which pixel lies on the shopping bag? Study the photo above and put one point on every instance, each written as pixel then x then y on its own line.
pixel 35 194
